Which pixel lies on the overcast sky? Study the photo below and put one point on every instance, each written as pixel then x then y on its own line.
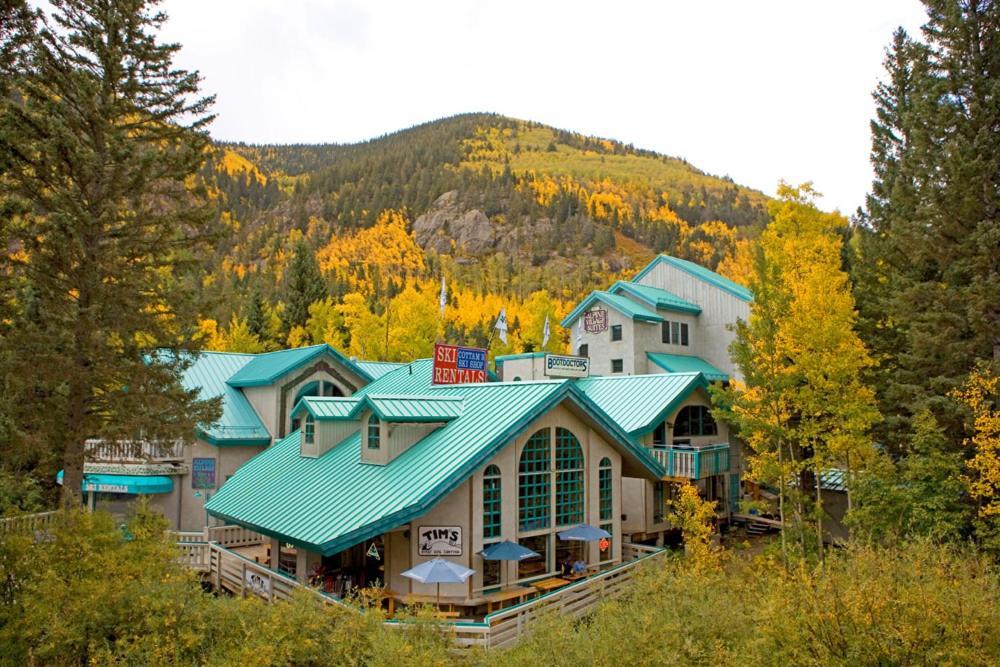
pixel 761 91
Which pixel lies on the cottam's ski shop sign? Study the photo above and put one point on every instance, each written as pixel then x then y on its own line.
pixel 459 365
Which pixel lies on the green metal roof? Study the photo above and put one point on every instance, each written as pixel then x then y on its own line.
pixel 327 407
pixel 639 402
pixel 680 363
pixel 414 408
pixel 377 369
pixel 498 360
pixel 265 368
pixel 658 298
pixel 701 273
pixel 239 423
pixel 412 378
pixel 620 303
pixel 334 501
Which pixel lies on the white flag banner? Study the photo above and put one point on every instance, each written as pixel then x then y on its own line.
pixel 443 299
pixel 546 332
pixel 501 325
pixel 579 331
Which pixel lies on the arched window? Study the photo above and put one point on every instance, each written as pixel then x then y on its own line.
pixel 533 482
pixel 310 430
pixel 315 388
pixel 491 502
pixel 569 479
pixel 604 489
pixel 694 420
pixel 374 432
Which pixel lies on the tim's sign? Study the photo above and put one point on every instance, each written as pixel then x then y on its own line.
pixel 439 540
pixel 561 366
pixel 458 365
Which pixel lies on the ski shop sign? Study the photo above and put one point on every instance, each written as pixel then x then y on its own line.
pixel 439 540
pixel 562 366
pixel 595 321
pixel 459 365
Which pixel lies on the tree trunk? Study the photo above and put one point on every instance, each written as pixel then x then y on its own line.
pixel 819 513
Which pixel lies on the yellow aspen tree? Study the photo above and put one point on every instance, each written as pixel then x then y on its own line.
pixel 981 395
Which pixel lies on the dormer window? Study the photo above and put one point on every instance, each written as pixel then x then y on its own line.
pixel 374 435
pixel 310 430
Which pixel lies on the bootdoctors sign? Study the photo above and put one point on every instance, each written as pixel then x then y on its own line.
pixel 439 540
pixel 459 365
pixel 559 366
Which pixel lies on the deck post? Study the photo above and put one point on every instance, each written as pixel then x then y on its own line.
pixel 243 579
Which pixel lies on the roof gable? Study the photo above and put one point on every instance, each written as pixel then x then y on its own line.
pixel 639 402
pixel 239 423
pixel 265 368
pixel 620 303
pixel 701 273
pixel 333 501
pixel 658 298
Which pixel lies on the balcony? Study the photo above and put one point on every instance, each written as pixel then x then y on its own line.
pixel 690 462
pixel 133 451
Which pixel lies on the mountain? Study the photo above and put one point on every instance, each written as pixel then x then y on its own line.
pixel 495 203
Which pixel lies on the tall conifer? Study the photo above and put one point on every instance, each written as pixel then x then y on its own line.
pixel 102 138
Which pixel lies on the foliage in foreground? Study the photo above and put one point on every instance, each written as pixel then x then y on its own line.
pixel 91 596
pixel 865 605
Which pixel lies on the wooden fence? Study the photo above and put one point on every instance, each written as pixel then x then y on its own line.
pixel 28 524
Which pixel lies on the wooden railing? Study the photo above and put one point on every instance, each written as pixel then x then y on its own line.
pixel 229 571
pixel 234 536
pixel 504 628
pixel 133 451
pixel 27 524
pixel 693 462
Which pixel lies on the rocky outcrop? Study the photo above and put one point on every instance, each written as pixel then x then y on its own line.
pixel 448 227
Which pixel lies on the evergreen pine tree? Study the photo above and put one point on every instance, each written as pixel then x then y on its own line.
pixel 256 317
pixel 98 143
pixel 303 287
pixel 928 274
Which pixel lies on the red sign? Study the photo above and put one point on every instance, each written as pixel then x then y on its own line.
pixel 604 544
pixel 595 321
pixel 458 365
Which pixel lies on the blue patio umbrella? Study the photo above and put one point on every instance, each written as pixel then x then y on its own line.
pixel 507 550
pixel 439 571
pixel 584 533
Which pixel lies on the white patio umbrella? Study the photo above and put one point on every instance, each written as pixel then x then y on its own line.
pixel 439 571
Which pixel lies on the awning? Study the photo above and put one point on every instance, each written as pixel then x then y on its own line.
pixel 131 484
pixel 679 363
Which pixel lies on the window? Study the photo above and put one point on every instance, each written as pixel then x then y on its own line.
pixel 675 333
pixel 604 489
pixel 310 432
pixel 616 332
pixel 659 502
pixel 533 494
pixel 569 479
pixel 536 565
pixel 491 572
pixel 491 502
pixel 374 432
pixel 695 420
pixel 660 435
pixel 583 351
pixel 617 366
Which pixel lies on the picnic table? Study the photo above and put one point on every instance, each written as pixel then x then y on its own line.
pixel 546 585
pixel 501 596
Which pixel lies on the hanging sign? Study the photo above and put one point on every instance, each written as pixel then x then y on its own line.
pixel 203 473
pixel 561 366
pixel 258 582
pixel 439 541
pixel 458 365
pixel 604 544
pixel 595 321
pixel 373 552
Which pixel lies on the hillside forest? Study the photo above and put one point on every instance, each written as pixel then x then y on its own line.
pixel 349 244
